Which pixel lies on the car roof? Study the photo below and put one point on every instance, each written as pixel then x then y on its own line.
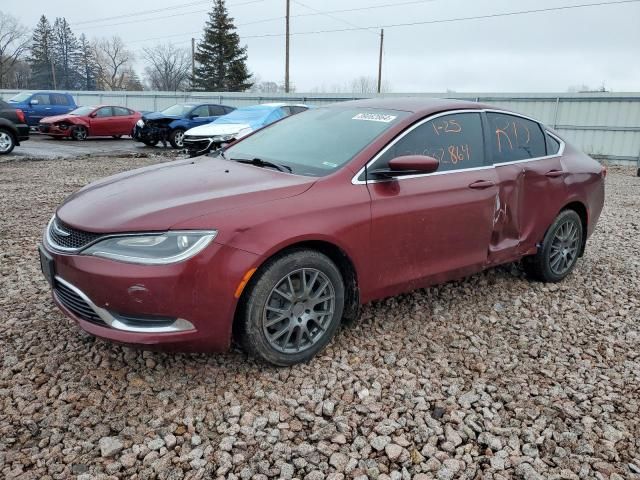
pixel 412 104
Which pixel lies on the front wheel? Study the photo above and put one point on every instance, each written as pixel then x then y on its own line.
pixel 292 308
pixel 559 251
pixel 176 138
pixel 150 143
pixel 116 136
pixel 7 142
pixel 79 133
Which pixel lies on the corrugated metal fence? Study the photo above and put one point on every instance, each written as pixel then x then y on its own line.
pixel 606 125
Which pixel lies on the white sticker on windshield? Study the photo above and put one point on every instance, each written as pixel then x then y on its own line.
pixel 375 117
pixel 329 164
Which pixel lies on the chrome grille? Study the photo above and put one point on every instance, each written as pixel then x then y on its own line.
pixel 76 304
pixel 67 238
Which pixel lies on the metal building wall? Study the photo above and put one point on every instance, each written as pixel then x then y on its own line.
pixel 606 125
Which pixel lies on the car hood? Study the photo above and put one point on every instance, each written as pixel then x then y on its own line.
pixel 160 116
pixel 57 118
pixel 213 129
pixel 157 197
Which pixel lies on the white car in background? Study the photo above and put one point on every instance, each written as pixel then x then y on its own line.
pixel 237 124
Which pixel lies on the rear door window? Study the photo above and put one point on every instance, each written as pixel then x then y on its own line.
pixel 121 111
pixel 216 110
pixel 514 138
pixel 455 140
pixel 57 99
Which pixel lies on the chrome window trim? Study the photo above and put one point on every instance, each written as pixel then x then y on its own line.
pixel 179 325
pixel 355 180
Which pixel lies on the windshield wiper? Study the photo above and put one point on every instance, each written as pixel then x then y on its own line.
pixel 258 162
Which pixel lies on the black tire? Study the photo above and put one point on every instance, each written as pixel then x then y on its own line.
pixel 79 133
pixel 150 143
pixel 541 265
pixel 176 138
pixel 7 141
pixel 253 312
pixel 116 136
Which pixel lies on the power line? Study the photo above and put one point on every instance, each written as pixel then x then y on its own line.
pixel 359 28
pixel 173 15
pixel 327 14
pixel 449 20
pixel 141 12
pixel 266 20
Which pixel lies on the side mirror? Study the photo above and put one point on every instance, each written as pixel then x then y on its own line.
pixel 193 115
pixel 407 165
pixel 93 114
pixel 33 102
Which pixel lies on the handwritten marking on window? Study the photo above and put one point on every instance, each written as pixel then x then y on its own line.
pixel 446 126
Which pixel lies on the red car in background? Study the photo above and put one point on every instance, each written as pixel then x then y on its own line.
pixel 286 232
pixel 84 122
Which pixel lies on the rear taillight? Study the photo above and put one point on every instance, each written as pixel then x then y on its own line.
pixel 603 171
pixel 20 114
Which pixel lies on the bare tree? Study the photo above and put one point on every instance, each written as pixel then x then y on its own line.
pixel 169 67
pixel 14 40
pixel 113 63
pixel 368 85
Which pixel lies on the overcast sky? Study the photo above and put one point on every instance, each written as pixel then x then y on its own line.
pixel 530 53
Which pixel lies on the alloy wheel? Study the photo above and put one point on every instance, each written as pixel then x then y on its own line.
pixel 178 138
pixel 5 142
pixel 298 310
pixel 80 133
pixel 564 248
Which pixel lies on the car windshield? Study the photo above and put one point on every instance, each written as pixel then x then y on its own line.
pixel 178 110
pixel 319 141
pixel 245 115
pixel 81 111
pixel 21 97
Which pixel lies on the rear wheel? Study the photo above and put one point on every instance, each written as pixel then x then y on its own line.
pixel 116 136
pixel 79 133
pixel 7 142
pixel 150 143
pixel 176 138
pixel 559 251
pixel 292 308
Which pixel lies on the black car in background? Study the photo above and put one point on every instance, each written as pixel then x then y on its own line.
pixel 13 127
pixel 170 124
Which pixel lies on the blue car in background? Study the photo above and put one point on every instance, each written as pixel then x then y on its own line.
pixel 37 105
pixel 170 124
pixel 239 123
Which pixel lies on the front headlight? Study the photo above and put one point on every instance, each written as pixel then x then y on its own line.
pixel 152 249
pixel 140 123
pixel 223 138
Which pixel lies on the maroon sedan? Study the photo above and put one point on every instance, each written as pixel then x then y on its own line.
pixel 83 122
pixel 284 234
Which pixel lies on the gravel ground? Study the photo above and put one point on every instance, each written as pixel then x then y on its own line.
pixel 493 377
pixel 46 148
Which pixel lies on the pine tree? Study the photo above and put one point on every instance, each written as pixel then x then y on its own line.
pixel 41 57
pixel 66 55
pixel 222 62
pixel 87 67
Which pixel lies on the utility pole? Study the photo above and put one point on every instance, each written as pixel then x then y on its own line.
pixel 193 58
pixel 53 74
pixel 286 51
pixel 380 60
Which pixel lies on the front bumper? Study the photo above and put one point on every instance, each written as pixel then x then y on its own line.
pixel 54 130
pixel 187 306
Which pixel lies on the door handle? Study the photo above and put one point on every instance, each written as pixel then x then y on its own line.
pixel 481 184
pixel 554 173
